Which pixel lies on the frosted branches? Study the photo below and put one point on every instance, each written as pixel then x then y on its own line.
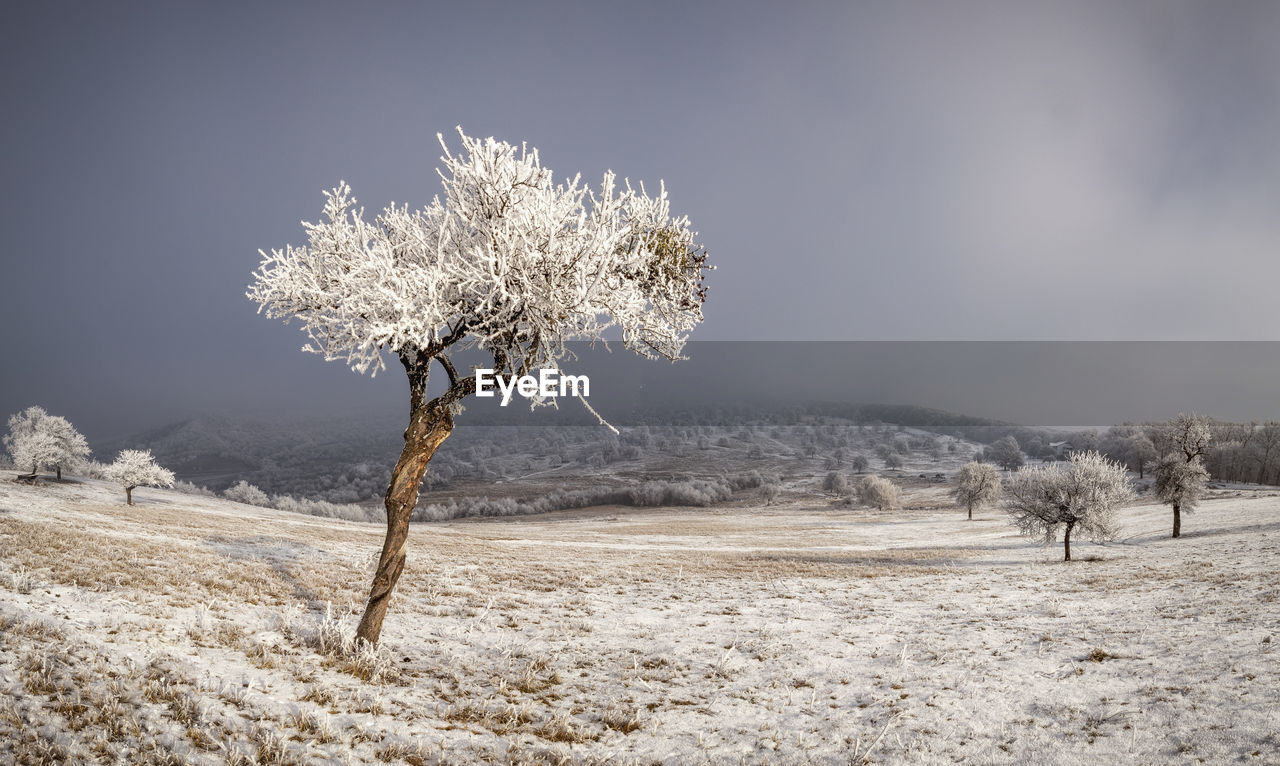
pixel 1082 497
pixel 507 261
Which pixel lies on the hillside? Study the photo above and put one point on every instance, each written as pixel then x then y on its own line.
pixel 348 459
pixel 193 630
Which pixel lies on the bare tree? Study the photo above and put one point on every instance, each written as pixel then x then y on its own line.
pixel 1190 435
pixel 1082 498
pixel 977 484
pixel 1130 445
pixel 836 484
pixel 1139 452
pixel 1181 484
pixel 1006 453
pixel 877 492
pixel 509 263
pixel 1266 449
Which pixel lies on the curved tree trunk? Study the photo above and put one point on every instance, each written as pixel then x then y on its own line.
pixel 1177 520
pixel 1066 543
pixel 430 423
pixel 128 495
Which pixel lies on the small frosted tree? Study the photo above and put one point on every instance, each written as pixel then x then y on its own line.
pixel 1188 437
pixel 860 463
pixel 45 441
pixel 507 262
pixel 977 484
pixel 1081 498
pixel 836 484
pixel 877 492
pixel 1181 484
pixel 137 468
pixel 1007 454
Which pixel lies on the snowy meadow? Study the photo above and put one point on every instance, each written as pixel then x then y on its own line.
pixel 189 629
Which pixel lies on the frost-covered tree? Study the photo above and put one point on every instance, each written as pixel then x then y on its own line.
pixel 33 450
pixel 877 492
pixel 137 468
pixel 507 262
pixel 976 485
pixel 836 484
pixel 45 441
pixel 1188 438
pixel 1190 435
pixel 1180 484
pixel 244 492
pixel 1082 497
pixel 1006 453
pixel 860 464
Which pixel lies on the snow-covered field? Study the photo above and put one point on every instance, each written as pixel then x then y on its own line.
pixel 194 630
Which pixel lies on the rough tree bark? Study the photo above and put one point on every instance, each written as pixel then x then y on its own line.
pixel 430 423
pixel 1177 520
pixel 1066 542
pixel 128 495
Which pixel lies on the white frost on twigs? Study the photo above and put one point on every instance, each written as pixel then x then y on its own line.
pixel 506 261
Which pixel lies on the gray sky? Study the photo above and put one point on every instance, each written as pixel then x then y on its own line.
pixel 878 171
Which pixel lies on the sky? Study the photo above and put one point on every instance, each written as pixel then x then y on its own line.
pixel 858 171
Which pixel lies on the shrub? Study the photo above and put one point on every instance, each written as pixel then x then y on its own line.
pixel 877 492
pixel 244 492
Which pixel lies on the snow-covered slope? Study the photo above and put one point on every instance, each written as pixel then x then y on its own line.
pixel 194 630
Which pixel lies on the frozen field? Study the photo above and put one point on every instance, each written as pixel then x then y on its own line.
pixel 193 630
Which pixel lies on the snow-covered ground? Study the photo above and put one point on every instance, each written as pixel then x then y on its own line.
pixel 194 630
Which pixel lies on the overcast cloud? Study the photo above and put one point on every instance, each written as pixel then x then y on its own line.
pixel 879 171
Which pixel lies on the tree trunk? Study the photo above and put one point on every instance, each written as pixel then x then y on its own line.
pixel 971 513
pixel 128 495
pixel 59 473
pixel 1066 543
pixel 1177 520
pixel 430 423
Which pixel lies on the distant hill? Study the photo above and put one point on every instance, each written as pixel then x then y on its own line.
pixel 219 451
pixel 348 458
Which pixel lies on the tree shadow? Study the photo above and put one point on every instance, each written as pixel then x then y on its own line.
pixel 1192 534
pixel 915 561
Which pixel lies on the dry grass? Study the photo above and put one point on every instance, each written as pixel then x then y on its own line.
pixel 214 639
